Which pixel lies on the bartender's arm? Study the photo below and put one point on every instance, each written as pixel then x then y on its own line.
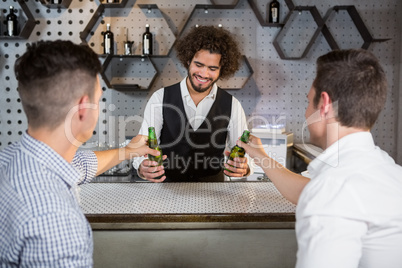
pixel 288 183
pixel 239 167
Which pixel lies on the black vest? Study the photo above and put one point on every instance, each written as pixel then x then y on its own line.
pixel 193 154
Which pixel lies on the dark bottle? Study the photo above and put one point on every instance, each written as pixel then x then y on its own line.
pixel 273 11
pixel 12 23
pixel 238 151
pixel 147 42
pixel 153 144
pixel 108 41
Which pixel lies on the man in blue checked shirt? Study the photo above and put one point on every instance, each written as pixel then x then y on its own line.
pixel 41 223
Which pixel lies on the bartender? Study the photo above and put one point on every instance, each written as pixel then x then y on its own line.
pixel 194 119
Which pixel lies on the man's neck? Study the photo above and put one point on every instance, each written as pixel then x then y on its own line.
pixel 55 139
pixel 335 132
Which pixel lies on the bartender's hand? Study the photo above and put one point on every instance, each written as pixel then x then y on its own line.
pixel 238 166
pixel 149 170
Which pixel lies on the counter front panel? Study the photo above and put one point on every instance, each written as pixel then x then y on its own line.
pixel 131 205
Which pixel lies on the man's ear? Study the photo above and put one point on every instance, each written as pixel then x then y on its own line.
pixel 325 104
pixel 83 105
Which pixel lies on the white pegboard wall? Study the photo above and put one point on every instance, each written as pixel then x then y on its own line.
pixel 277 85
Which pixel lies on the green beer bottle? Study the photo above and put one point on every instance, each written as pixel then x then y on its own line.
pixel 238 151
pixel 153 144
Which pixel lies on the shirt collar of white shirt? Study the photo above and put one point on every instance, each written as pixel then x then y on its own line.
pixel 186 94
pixel 330 157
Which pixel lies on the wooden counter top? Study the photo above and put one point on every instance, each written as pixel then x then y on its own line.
pixel 226 205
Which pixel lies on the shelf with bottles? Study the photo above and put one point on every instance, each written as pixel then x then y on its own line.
pixel 56 3
pixel 21 24
pixel 114 3
pixel 258 6
pixel 94 32
pixel 355 20
pixel 128 72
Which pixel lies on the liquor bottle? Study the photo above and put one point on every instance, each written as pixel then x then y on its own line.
pixel 273 11
pixel 147 41
pixel 238 151
pixel 108 41
pixel 153 144
pixel 12 23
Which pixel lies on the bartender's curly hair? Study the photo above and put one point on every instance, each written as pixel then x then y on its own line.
pixel 215 40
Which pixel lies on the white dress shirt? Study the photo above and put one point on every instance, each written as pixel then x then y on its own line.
pixel 195 114
pixel 350 213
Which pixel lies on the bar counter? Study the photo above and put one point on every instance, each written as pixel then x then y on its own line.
pixel 227 224
pixel 186 205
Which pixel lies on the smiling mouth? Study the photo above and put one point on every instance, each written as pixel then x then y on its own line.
pixel 201 80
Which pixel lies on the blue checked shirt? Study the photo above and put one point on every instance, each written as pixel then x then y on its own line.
pixel 41 223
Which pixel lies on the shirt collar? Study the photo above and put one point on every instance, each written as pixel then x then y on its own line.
pixel 185 94
pixel 331 156
pixel 50 159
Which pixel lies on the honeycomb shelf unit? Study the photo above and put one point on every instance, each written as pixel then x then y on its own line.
pixel 367 38
pixel 129 72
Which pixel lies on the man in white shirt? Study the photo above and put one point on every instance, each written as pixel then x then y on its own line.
pixel 195 120
pixel 349 214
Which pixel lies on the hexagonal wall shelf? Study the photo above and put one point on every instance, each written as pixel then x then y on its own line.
pixel 367 38
pixel 280 40
pixel 256 7
pixel 26 22
pixel 121 20
pixel 128 73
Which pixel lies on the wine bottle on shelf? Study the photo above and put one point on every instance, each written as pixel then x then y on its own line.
pixel 12 23
pixel 238 151
pixel 273 11
pixel 147 41
pixel 108 41
pixel 153 144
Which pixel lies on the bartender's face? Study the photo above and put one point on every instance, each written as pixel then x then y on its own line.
pixel 204 70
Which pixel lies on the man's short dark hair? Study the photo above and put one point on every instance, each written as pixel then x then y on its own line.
pixel 51 76
pixel 355 80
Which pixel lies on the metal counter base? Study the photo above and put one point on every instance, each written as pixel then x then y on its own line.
pixel 219 248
